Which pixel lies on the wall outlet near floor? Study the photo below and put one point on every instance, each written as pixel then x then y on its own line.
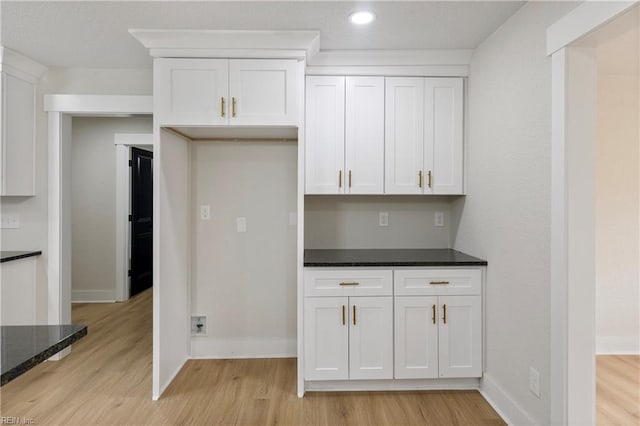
pixel 534 381
pixel 198 325
pixel 438 219
pixel 383 219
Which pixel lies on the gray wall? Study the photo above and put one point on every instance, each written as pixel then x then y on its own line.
pixel 93 207
pixel 352 222
pixel 245 283
pixel 506 215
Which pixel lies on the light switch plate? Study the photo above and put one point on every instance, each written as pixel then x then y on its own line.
pixel 241 224
pixel 438 219
pixel 10 221
pixel 205 212
pixel 383 219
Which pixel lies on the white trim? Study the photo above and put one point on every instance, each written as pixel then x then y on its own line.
pixel 300 230
pixel 200 42
pixel 93 296
pixel 123 142
pixel 391 385
pixel 113 105
pixel 332 58
pixel 156 393
pixel 256 347
pixel 617 345
pixel 20 62
pixel 558 301
pixel 229 53
pixel 504 404
pixel 392 70
pixel 583 20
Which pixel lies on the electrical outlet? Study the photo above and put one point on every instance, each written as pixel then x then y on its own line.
pixel 534 381
pixel 10 221
pixel 205 212
pixel 383 219
pixel 241 224
pixel 198 325
pixel 438 219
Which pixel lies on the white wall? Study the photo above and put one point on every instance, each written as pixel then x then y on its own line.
pixel 245 283
pixel 338 222
pixel 617 210
pixel 93 209
pixel 506 215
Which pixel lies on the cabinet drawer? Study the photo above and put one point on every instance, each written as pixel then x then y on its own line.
pixel 347 282
pixel 432 282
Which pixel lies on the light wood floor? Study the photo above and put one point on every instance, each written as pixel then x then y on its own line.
pixel 618 389
pixel 107 380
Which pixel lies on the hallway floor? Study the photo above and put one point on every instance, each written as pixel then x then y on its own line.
pixel 618 389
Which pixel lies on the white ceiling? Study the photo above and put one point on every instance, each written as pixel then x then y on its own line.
pixel 93 34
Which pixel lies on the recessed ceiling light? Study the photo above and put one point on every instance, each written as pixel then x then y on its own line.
pixel 362 17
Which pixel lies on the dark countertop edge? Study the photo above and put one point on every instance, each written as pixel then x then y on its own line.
pixel 27 365
pixel 21 255
pixel 393 264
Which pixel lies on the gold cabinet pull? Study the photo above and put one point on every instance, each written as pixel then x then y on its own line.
pixel 444 313
pixel 349 283
pixel 233 106
pixel 433 314
pixel 429 178
pixel 340 179
pixel 354 314
pixel 349 178
pixel 222 107
pixel 438 282
pixel 344 315
pixel 420 178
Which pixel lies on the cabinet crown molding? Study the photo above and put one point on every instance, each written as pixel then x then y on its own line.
pixel 21 63
pixel 234 43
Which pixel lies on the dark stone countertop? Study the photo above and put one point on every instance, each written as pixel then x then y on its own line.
pixel 389 257
pixel 6 256
pixel 25 346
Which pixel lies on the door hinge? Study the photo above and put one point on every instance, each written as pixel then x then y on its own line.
pixel 130 218
pixel 130 163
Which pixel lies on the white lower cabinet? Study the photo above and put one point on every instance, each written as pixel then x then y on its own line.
pixel 348 338
pixel 438 337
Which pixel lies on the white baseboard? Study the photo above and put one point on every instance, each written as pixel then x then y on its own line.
pixel 510 411
pixel 617 345
pixel 165 385
pixel 93 296
pixel 211 348
pixel 390 385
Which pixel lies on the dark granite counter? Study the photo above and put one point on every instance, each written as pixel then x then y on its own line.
pixel 6 256
pixel 25 346
pixel 390 257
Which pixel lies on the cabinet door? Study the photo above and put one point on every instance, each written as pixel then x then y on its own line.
pixel 443 137
pixel 263 92
pixel 18 136
pixel 371 338
pixel 324 145
pixel 191 91
pixel 364 135
pixel 416 337
pixel 326 338
pixel 460 336
pixel 404 135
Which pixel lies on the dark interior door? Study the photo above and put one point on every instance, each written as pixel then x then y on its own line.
pixel 141 220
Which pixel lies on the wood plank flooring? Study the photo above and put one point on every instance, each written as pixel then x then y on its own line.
pixel 107 381
pixel 618 390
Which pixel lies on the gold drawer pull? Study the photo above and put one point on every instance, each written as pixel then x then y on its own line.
pixel 233 106
pixel 444 314
pixel 420 178
pixel 429 176
pixel 349 283
pixel 222 107
pixel 344 315
pixel 439 282
pixel 354 314
pixel 433 314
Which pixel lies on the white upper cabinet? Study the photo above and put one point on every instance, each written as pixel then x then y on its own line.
pixel 263 91
pixel 364 135
pixel 443 135
pixel 324 137
pixel 404 134
pixel 209 92
pixel 18 122
pixel 424 135
pixel 345 135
